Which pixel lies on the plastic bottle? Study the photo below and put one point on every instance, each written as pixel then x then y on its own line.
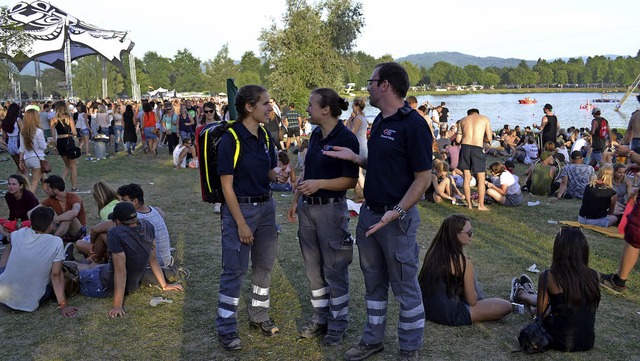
pixel 19 224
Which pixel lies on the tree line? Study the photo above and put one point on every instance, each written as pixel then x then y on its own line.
pixel 314 48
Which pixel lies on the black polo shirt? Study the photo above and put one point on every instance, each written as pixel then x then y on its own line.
pixel 399 146
pixel 251 174
pixel 320 166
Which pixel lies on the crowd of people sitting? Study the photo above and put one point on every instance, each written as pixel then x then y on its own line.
pixel 131 241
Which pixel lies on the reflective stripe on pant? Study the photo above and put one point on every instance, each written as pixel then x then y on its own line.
pixel 235 261
pixel 390 257
pixel 327 252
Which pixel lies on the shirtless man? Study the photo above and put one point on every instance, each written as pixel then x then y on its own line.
pixel 472 132
pixel 632 136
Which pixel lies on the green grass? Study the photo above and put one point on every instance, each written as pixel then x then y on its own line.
pixel 507 241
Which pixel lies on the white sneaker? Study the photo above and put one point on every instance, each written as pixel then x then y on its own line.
pixel 216 208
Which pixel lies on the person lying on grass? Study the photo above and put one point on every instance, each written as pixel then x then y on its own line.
pixel 131 245
pixel 447 279
pixel 26 266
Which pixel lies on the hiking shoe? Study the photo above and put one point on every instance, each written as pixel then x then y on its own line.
pixel 607 282
pixel 408 355
pixel 333 338
pixel 267 327
pixel 527 284
pixel 313 329
pixel 362 351
pixel 230 341
pixel 515 288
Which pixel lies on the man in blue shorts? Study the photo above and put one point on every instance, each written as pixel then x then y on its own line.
pixel 131 245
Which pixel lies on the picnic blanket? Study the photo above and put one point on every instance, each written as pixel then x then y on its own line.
pixel 607 231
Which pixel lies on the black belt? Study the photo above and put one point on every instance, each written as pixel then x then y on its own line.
pixel 320 200
pixel 379 209
pixel 259 199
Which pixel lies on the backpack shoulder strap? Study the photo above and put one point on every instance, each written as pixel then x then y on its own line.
pixel 236 154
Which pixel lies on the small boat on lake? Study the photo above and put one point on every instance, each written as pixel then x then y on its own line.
pixel 527 100
pixel 605 99
pixel 587 106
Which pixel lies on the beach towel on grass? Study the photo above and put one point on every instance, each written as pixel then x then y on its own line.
pixel 607 231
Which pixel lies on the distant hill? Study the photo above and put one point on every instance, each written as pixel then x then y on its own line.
pixel 454 58
pixel 428 59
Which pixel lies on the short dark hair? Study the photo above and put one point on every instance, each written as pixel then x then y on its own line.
pixel 41 218
pixel 395 75
pixel 133 191
pixel 473 111
pixel 55 182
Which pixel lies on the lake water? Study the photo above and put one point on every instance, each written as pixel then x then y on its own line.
pixel 504 108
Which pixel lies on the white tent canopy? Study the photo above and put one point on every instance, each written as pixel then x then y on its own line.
pixel 59 38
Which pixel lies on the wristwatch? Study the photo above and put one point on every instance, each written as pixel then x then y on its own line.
pixel 400 211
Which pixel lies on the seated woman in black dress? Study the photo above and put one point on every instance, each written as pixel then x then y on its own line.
pixel 447 279
pixel 571 297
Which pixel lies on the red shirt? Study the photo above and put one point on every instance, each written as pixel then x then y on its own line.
pixel 71 199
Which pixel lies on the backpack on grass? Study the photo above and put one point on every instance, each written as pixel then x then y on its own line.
pixel 208 142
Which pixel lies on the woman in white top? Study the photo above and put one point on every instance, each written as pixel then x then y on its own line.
pixel 358 125
pixel 118 127
pixel 32 147
pixel 507 192
pixel 11 131
pixel 83 129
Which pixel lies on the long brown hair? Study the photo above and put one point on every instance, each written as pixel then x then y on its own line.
pixel 445 259
pixel 30 124
pixel 103 194
pixel 570 268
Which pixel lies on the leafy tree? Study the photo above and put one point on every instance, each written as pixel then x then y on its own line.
pixel 439 72
pixel 413 71
pixel 365 65
pixel 50 79
pixel 561 77
pixel 344 21
pixel 249 69
pixel 597 67
pixel 13 38
pixel 457 76
pixel 544 71
pixel 218 70
pixel 159 70
pixel 87 77
pixel 187 72
pixel 307 53
pixel 475 74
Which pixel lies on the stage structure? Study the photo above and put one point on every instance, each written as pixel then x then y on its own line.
pixel 60 38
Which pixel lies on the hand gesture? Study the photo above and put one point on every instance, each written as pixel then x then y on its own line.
pixel 308 186
pixel 341 153
pixel 387 218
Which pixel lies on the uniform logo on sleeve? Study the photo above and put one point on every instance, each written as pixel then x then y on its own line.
pixel 388 134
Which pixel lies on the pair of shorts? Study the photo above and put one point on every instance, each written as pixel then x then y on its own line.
pixel 83 133
pixel 13 145
pixel 32 162
pixel 472 158
pixel 293 132
pixel 512 200
pixel 90 284
pixel 149 133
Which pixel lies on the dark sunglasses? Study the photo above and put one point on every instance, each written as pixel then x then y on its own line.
pixel 208 111
pixel 469 232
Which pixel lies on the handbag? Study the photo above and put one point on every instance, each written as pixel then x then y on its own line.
pixel 533 338
pixel 73 151
pixel 45 166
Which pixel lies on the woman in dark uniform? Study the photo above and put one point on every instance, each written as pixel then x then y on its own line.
pixel 248 215
pixel 320 203
pixel 64 130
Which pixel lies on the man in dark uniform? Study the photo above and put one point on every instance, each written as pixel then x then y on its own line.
pixel 398 168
